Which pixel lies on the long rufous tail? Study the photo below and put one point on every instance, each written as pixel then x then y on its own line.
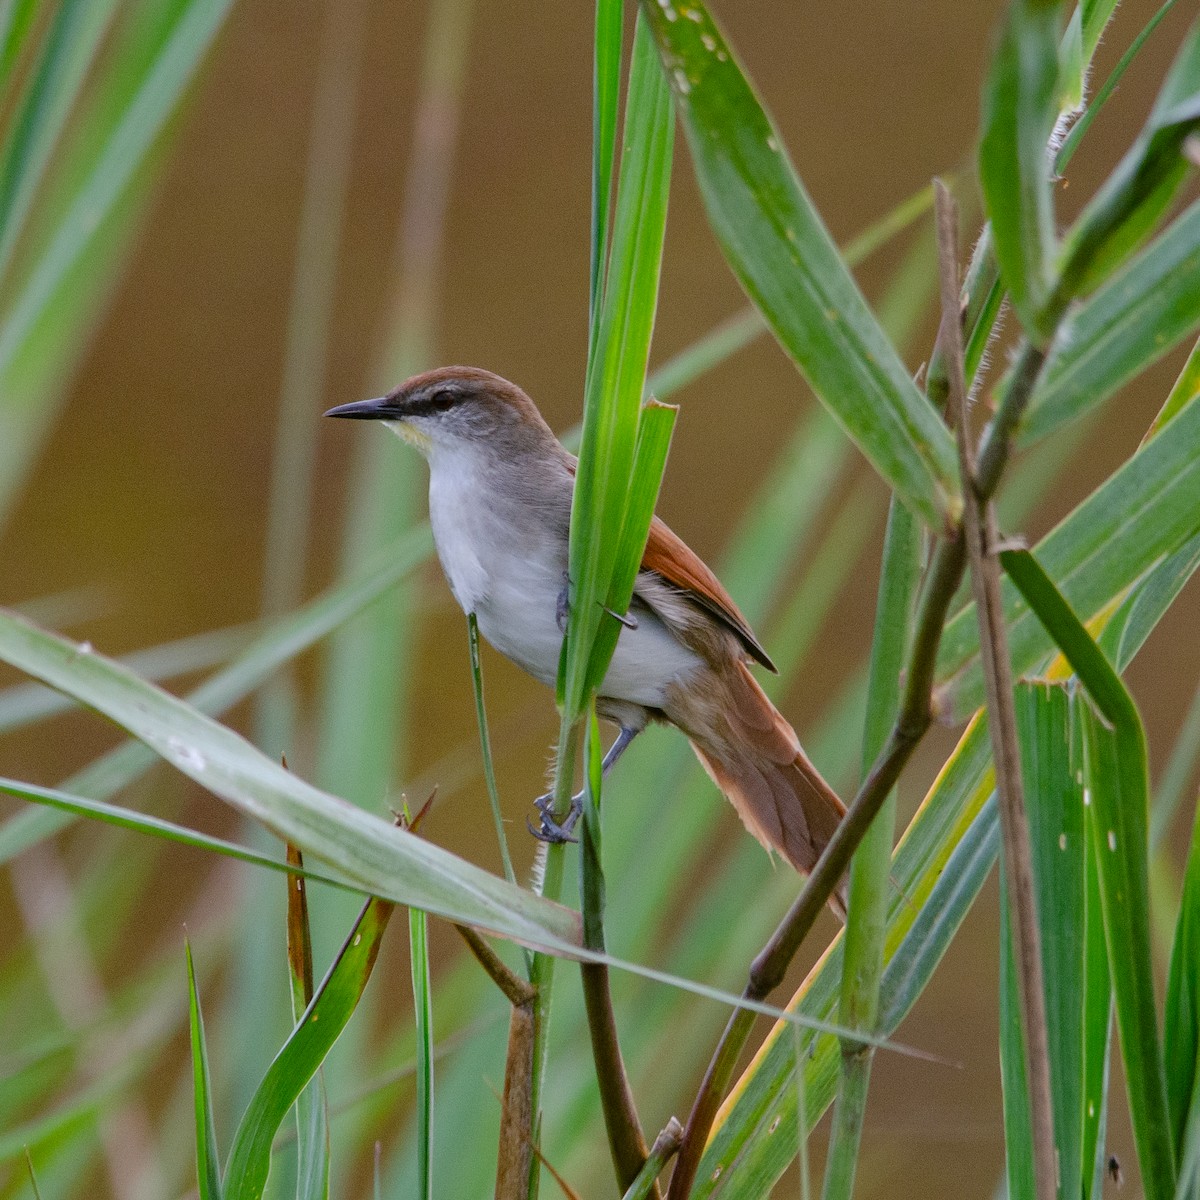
pixel 753 755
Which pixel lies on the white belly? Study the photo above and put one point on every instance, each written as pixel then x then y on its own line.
pixel 514 590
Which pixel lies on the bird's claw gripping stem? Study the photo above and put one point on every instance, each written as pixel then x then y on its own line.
pixel 550 830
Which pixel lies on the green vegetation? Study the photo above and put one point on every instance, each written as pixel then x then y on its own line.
pixel 587 1077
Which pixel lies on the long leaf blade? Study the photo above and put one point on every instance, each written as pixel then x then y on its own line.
pixel 320 1026
pixel 383 859
pixel 781 253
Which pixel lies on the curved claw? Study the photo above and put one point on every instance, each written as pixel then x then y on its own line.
pixel 551 831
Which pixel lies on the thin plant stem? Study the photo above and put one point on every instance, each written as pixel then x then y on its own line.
pixel 626 1140
pixel 485 746
pixel 541 971
pixel 665 1145
pixel 979 523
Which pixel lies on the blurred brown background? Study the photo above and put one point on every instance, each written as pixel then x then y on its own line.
pixel 154 485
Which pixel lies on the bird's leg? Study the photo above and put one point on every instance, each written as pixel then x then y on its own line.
pixel 550 830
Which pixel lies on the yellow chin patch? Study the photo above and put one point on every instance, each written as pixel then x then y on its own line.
pixel 412 435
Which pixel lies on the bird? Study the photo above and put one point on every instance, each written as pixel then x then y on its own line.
pixel 500 491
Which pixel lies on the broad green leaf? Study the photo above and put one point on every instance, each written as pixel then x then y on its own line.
pixel 1143 184
pixel 1144 512
pixel 27 703
pixel 320 1025
pixel 1132 321
pixel 781 253
pixel 1020 106
pixel 1116 779
pixel 384 860
pixel 208 1164
pixel 1182 1022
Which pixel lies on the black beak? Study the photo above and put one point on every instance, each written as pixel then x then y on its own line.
pixel 382 409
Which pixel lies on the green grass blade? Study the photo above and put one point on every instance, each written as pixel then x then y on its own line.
pixel 125 818
pixel 71 43
pixel 1182 1021
pixel 1071 142
pixel 784 258
pixel 1144 512
pixel 606 101
pixel 1116 776
pixel 1187 388
pixel 42 328
pixel 384 860
pixel 649 460
pixel 1137 317
pixel 312 1111
pixel 1020 106
pixel 320 1026
pixel 1142 186
pixel 485 747
pixel 25 704
pixel 279 644
pixel 617 373
pixel 1173 785
pixel 16 16
pixel 418 933
pixel 1051 763
pixel 1116 779
pixel 866 926
pixel 208 1164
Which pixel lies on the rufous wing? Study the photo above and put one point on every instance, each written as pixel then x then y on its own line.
pixel 670 557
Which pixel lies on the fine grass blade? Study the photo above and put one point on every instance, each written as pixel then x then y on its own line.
pixel 1144 183
pixel 44 326
pixel 384 860
pixel 781 253
pixel 1144 512
pixel 1070 143
pixel 124 818
pixel 320 1025
pixel 208 1164
pixel 1187 387
pixel 1182 1022
pixel 1140 314
pixel 418 938
pixel 1117 778
pixel 866 925
pixel 278 644
pixel 1020 106
pixel 312 1112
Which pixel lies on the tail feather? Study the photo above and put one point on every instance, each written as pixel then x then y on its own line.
pixel 755 758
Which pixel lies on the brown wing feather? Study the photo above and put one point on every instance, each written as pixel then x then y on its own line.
pixel 669 556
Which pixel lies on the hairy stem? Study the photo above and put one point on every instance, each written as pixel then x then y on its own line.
pixel 979 523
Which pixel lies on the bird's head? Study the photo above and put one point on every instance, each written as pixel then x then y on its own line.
pixel 451 407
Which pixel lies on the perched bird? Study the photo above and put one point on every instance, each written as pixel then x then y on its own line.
pixel 500 487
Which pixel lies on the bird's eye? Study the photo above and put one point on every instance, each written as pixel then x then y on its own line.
pixel 436 402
